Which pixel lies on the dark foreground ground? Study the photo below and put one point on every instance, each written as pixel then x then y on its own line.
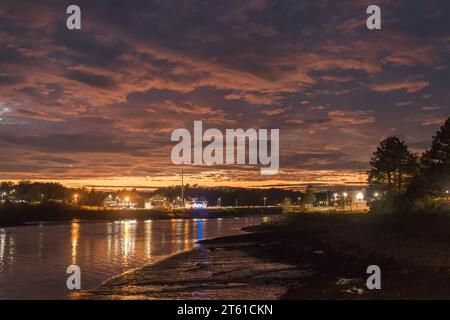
pixel 305 256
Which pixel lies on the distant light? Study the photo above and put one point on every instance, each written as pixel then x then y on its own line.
pixel 127 199
pixel 359 196
pixel 345 194
pixel 376 194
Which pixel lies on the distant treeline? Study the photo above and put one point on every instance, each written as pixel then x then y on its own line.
pixel 27 191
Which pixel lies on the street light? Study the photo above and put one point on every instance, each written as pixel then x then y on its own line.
pixel 265 201
pixel 345 194
pixel 75 198
pixel 359 196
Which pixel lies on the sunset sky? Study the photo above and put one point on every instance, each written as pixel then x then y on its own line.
pixel 97 106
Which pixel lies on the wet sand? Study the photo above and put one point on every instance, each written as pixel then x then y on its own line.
pixel 212 271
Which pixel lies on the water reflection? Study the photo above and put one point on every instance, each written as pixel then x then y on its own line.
pixel 2 247
pixel 33 259
pixel 148 239
pixel 186 234
pixel 74 236
pixel 7 249
pixel 200 229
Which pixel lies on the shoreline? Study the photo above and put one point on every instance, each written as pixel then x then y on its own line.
pixel 189 275
pixel 29 215
pixel 267 264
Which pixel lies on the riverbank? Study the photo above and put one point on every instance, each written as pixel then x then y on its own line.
pixel 24 214
pixel 303 256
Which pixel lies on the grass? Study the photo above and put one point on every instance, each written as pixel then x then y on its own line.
pixel 416 239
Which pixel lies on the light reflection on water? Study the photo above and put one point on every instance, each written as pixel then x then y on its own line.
pixel 33 259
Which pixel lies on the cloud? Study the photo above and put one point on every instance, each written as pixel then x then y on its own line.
pixel 351 118
pixel 272 112
pixel 409 86
pixel 91 79
pixel 70 143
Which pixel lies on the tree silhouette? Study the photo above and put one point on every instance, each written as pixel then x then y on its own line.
pixel 310 196
pixel 393 165
pixel 435 164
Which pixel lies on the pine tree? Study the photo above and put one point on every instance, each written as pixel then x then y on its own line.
pixel 435 163
pixel 393 165
pixel 310 196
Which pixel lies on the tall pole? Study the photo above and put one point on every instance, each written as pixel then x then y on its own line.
pixel 182 184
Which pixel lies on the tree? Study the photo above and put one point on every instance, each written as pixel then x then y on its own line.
pixel 435 163
pixel 392 166
pixel 310 196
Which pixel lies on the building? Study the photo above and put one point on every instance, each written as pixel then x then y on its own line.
pixel 157 202
pixel 119 203
pixel 197 203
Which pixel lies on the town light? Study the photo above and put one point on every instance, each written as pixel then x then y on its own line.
pixel 376 194
pixel 127 199
pixel 359 196
pixel 345 194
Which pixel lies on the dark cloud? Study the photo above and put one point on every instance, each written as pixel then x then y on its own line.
pixel 6 80
pixel 91 79
pixel 70 143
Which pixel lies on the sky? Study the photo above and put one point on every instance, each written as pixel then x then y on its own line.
pixel 97 106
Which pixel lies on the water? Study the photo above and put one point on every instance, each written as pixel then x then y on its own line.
pixel 34 259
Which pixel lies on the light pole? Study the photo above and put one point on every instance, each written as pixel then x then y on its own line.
pixel 344 202
pixel 182 184
pixel 265 201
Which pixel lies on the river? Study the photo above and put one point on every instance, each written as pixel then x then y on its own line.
pixel 34 259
